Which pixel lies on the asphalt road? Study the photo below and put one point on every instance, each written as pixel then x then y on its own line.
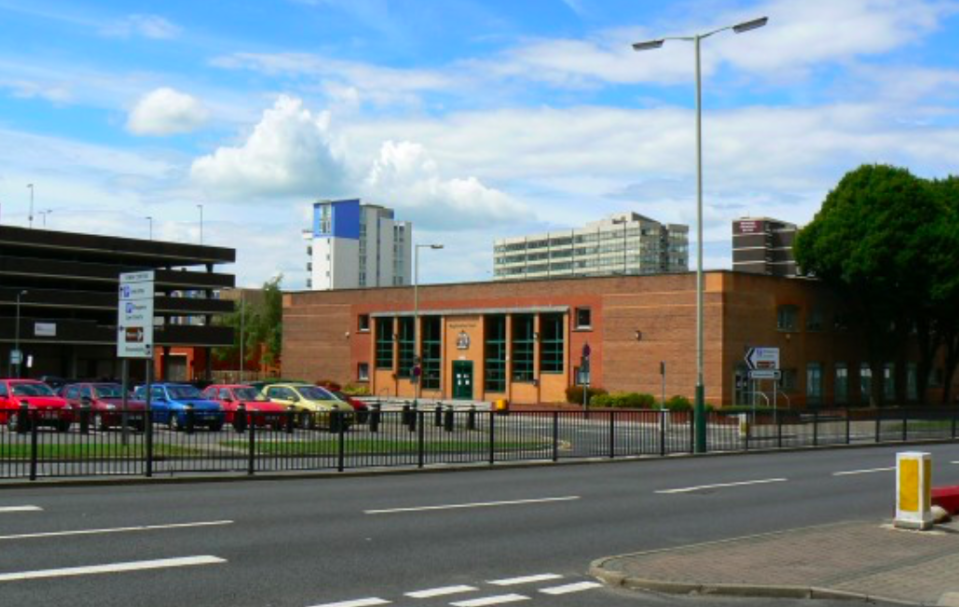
pixel 361 542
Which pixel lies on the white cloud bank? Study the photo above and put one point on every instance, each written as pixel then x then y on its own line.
pixel 146 26
pixel 165 111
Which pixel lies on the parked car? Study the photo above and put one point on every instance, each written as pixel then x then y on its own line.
pixel 54 381
pixel 106 404
pixel 47 409
pixel 231 396
pixel 169 402
pixel 313 404
pixel 262 384
pixel 361 409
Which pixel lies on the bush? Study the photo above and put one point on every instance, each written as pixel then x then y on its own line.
pixel 574 394
pixel 329 384
pixel 635 400
pixel 679 403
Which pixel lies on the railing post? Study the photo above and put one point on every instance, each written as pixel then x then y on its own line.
pixel 190 419
pixel 848 429
pixel 340 441
pixel 471 418
pixel 815 429
pixel 492 438
pixel 905 425
pixel 612 434
pixel 239 419
pixel 148 413
pixel 23 422
pixel 405 417
pixel 420 440
pixel 779 431
pixel 449 421
pixel 84 419
pixel 33 448
pixel 438 415
pixel 290 415
pixel 375 419
pixel 692 431
pixel 662 432
pixel 555 436
pixel 955 418
pixel 251 464
pixel 878 425
pixel 414 414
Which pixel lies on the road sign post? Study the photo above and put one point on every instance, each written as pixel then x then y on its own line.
pixel 135 334
pixel 763 363
pixel 584 371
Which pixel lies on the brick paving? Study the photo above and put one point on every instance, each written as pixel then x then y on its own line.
pixel 861 557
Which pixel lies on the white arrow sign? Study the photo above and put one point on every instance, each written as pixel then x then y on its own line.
pixel 762 358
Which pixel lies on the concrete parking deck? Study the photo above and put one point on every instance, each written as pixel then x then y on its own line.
pixel 865 560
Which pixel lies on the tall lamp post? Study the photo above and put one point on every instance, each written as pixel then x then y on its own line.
pixel 200 206
pixel 44 214
pixel 30 216
pixel 696 39
pixel 418 353
pixel 150 219
pixel 16 336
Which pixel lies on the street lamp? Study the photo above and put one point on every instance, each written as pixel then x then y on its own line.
pixel 418 353
pixel 200 206
pixel 16 336
pixel 700 411
pixel 30 216
pixel 150 219
pixel 44 214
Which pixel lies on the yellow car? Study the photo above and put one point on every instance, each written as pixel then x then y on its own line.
pixel 312 403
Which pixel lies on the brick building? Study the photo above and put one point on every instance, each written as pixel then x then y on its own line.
pixel 523 340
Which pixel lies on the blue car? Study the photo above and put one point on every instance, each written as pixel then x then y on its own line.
pixel 169 402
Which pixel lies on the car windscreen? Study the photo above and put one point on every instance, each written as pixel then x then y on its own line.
pixel 32 390
pixel 315 393
pixel 108 391
pixel 183 392
pixel 248 394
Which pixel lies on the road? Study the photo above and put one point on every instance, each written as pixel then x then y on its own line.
pixel 524 535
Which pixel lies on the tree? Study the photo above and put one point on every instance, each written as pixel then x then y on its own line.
pixel 871 241
pixel 259 325
pixel 944 298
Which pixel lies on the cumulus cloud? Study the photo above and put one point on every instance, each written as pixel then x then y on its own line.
pixel 147 26
pixel 165 111
pixel 289 152
pixel 406 176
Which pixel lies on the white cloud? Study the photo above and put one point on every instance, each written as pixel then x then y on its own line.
pixel 289 152
pixel 147 26
pixel 165 111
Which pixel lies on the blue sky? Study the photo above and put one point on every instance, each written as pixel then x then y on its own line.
pixel 474 119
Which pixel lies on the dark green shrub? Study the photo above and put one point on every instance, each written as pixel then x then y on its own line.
pixel 635 400
pixel 574 394
pixel 679 403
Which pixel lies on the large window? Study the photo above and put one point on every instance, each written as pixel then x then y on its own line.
pixel 787 318
pixel 551 343
pixel 495 354
pixel 814 384
pixel 432 352
pixel 841 385
pixel 814 319
pixel 384 343
pixel 524 346
pixel 407 344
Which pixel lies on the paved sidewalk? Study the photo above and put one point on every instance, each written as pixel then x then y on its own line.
pixel 866 560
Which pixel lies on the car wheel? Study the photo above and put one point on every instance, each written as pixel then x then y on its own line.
pixel 216 427
pixel 63 426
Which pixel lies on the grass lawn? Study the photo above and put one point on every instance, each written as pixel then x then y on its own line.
pixel 92 451
pixel 365 446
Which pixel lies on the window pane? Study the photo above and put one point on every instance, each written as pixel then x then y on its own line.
pixel 551 343
pixel 495 354
pixel 523 347
pixel 407 345
pixel 842 384
pixel 432 352
pixel 384 343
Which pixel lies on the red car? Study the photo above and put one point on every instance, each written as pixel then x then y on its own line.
pixel 361 409
pixel 46 408
pixel 106 405
pixel 231 396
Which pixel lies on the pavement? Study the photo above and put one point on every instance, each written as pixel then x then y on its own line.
pixel 464 539
pixel 864 559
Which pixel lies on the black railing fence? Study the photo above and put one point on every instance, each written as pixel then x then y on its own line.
pixel 46 444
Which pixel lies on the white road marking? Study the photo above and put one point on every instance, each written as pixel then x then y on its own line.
pixel 491 600
pixel 4 509
pixel 475 505
pixel 723 485
pixel 568 588
pixel 30 536
pixel 112 568
pixel 866 471
pixel 443 591
pixel 527 579
pixel 370 602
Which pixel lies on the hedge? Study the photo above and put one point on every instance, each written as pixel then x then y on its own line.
pixel 574 394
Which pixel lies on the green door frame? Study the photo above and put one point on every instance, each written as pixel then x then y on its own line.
pixel 463 380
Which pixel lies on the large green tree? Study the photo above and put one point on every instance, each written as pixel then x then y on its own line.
pixel 943 304
pixel 259 324
pixel 871 241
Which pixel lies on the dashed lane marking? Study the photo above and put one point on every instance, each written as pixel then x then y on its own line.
pixel 370 602
pixel 723 485
pixel 30 536
pixel 491 600
pixel 5 509
pixel 475 505
pixel 189 561
pixel 527 579
pixel 866 471
pixel 442 591
pixel 569 588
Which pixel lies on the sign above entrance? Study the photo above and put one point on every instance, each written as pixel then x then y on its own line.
pixel 762 358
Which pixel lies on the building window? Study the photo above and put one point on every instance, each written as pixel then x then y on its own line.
pixel 787 318
pixel 407 345
pixel 814 384
pixel 432 352
pixel 889 381
pixel 789 381
pixel 363 323
pixel 584 318
pixel 384 343
pixel 551 343
pixel 495 354
pixel 524 347
pixel 865 383
pixel 363 372
pixel 814 320
pixel 841 387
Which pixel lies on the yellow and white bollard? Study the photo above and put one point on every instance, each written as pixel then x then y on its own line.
pixel 913 490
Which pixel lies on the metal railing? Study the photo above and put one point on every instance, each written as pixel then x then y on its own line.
pixel 47 444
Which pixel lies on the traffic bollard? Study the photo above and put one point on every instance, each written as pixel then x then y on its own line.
pixel 471 418
pixel 190 419
pixel 375 418
pixel 290 418
pixel 438 415
pixel 405 416
pixel 23 418
pixel 85 419
pixel 413 415
pixel 448 419
pixel 239 418
pixel 335 422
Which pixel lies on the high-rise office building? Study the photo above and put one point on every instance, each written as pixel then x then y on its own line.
pixel 354 245
pixel 625 243
pixel 762 245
